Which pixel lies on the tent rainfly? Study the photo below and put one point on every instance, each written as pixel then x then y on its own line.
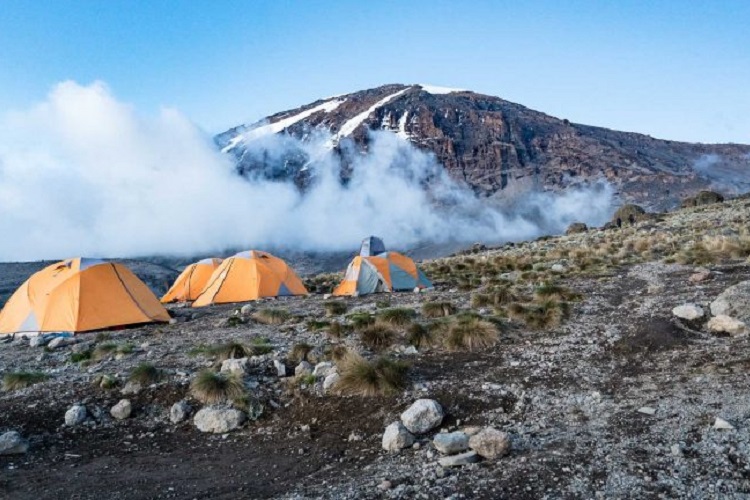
pixel 191 282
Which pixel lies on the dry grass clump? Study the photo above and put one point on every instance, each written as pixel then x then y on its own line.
pixel 315 324
pixel 397 316
pixel 335 308
pixel 228 350
pixel 728 247
pixel 107 349
pixel 377 336
pixel 299 352
pixel 438 309
pixel 382 376
pixel 19 380
pixel 336 352
pixel 338 330
pixel 145 374
pixel 361 319
pixel 552 291
pixel 496 296
pixel 541 315
pixel 469 333
pixel 270 316
pixel 210 387
pixel 419 335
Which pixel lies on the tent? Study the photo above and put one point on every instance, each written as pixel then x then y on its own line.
pixel 386 272
pixel 191 282
pixel 248 276
pixel 79 295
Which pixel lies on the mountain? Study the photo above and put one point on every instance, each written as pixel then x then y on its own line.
pixel 497 147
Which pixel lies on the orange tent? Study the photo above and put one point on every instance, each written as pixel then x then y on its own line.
pixel 385 272
pixel 79 295
pixel 248 276
pixel 191 282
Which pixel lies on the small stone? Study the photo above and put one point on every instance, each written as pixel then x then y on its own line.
pixel 557 268
pixel 726 324
pixel 689 312
pixel 12 443
pixel 490 443
pixel 121 410
pixel 246 310
pixel 699 276
pixel 218 420
pixel 37 341
pixel 75 415
pixel 58 342
pixel 646 410
pixel 302 369
pixel 235 366
pixel 397 437
pixel 450 443
pixel 330 381
pixel 467 458
pixel 179 412
pixel 280 368
pixel 327 296
pixel 410 351
pixel 385 485
pixel 720 423
pixel 422 416
pixel 323 369
pixel 471 430
pixel 676 450
pixel 131 388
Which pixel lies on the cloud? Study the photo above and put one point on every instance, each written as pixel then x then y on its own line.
pixel 85 174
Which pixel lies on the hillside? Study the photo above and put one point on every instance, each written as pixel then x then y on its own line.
pixel 497 147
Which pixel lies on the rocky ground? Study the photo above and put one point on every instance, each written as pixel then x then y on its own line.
pixel 614 396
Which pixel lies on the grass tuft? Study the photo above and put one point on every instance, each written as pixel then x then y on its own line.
pixel 335 308
pixel 270 316
pixel 382 376
pixel 397 316
pixel 469 333
pixel 299 352
pixel 377 336
pixel 419 335
pixel 145 374
pixel 437 309
pixel 210 387
pixel 18 380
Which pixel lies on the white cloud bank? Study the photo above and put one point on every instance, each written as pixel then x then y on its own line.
pixel 84 174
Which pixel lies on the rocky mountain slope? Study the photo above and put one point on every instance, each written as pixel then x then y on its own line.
pixel 497 147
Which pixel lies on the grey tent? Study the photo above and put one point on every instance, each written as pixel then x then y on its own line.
pixel 371 246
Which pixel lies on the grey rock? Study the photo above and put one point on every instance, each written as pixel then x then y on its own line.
pixel 121 410
pixel 302 369
pixel 218 420
pixel 490 443
pixel 726 324
pixel 330 381
pixel 12 443
pixel 734 302
pixel 720 423
pixel 397 437
pixel 75 415
pixel 179 412
pixel 37 341
pixel 467 458
pixel 58 342
pixel 422 416
pixel 131 388
pixel 688 312
pixel 450 443
pixel 235 366
pixel 323 369
pixel 246 310
pixel 280 368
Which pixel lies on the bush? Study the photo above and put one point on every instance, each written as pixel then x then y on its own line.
pixel 382 376
pixel 470 333
pixel 377 336
pixel 145 374
pixel 210 387
pixel 271 316
pixel 77 357
pixel 18 380
pixel 398 316
pixel 335 308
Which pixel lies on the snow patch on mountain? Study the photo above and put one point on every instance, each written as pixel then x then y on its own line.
pixel 279 126
pixel 351 125
pixel 434 89
pixel 402 133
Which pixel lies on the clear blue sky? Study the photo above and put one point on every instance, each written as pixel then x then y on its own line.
pixel 672 69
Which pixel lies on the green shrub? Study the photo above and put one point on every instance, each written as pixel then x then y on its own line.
pixel 19 380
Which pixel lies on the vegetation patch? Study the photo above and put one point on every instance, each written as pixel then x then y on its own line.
pixel 145 374
pixel 377 336
pixel 210 387
pixel 397 316
pixel 19 380
pixel 271 316
pixel 382 376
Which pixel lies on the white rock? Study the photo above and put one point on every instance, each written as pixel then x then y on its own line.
pixel 397 437
pixel 557 268
pixel 646 410
pixel 246 310
pixel 720 423
pixel 61 342
pixel 179 412
pixel 280 368
pixel 422 416
pixel 75 415
pixel 323 369
pixel 411 350
pixel 726 324
pixel 37 341
pixel 469 457
pixel 689 312
pixel 490 443
pixel 302 369
pixel 121 410
pixel 327 296
pixel 12 443
pixel 734 302
pixel 676 450
pixel 450 443
pixel 235 366
pixel 330 381
pixel 131 388
pixel 218 420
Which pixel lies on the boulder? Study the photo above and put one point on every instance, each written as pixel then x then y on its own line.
pixel 422 416
pixel 330 381
pixel 467 458
pixel 689 312
pixel 699 276
pixel 75 415
pixel 451 443
pixel 576 227
pixel 218 420
pixel 121 410
pixel 490 443
pixel 12 443
pixel 557 268
pixel 397 437
pixel 179 412
pixel 280 368
pixel 131 388
pixel 302 369
pixel 720 423
pixel 37 341
pixel 235 366
pixel 734 302
pixel 702 198
pixel 58 342
pixel 726 324
pixel 323 369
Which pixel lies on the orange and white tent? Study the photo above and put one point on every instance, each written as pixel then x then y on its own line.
pixel 249 276
pixel 385 272
pixel 79 295
pixel 191 282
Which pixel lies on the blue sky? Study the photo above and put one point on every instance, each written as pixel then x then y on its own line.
pixel 673 69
